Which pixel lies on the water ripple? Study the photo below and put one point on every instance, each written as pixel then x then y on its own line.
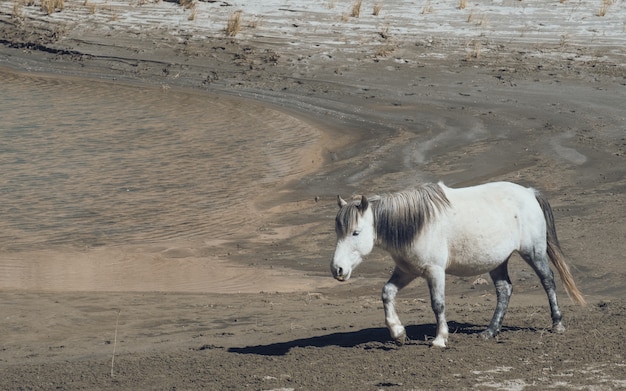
pixel 87 163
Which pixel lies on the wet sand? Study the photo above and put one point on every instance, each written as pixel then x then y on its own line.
pixel 542 110
pixel 134 188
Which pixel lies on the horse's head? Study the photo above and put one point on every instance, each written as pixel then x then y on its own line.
pixel 355 236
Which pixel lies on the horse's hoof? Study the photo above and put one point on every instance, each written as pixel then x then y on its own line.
pixel 558 328
pixel 401 340
pixel 439 343
pixel 398 333
pixel 487 334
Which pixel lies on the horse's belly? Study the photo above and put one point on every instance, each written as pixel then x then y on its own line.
pixel 477 259
pixel 471 269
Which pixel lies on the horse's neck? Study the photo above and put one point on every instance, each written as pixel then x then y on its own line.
pixel 381 240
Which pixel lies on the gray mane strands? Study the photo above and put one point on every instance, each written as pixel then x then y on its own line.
pixel 399 217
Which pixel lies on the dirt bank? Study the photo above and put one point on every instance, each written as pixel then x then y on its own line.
pixel 514 101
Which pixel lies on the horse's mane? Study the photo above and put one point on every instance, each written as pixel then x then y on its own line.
pixel 398 217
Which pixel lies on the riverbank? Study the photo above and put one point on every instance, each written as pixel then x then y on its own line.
pixel 529 92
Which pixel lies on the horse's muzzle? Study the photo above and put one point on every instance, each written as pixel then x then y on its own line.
pixel 339 273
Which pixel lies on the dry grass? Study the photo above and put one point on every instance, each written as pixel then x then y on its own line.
pixel 16 14
pixel 233 26
pixel 377 8
pixel 90 7
pixel 355 11
pixel 474 49
pixel 428 8
pixel 384 32
pixel 385 50
pixel 187 4
pixel 604 8
pixel 117 322
pixel 478 20
pixel 462 4
pixel 193 14
pixel 253 23
pixel 51 6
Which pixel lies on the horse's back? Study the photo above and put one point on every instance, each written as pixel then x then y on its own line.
pixel 486 223
pixel 497 197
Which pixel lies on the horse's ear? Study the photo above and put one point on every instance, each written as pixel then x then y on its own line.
pixel 363 205
pixel 341 202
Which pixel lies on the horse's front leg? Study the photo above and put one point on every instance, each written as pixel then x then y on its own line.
pixel 436 278
pixel 398 280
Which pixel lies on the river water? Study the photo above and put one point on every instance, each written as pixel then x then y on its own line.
pixel 89 164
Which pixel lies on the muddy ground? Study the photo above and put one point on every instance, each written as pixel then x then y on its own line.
pixel 389 118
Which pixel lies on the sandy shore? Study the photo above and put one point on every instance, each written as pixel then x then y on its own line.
pixel 529 92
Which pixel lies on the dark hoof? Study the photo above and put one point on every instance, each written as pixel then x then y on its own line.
pixel 402 340
pixel 488 334
pixel 558 328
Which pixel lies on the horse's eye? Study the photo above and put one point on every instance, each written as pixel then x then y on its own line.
pixel 356 233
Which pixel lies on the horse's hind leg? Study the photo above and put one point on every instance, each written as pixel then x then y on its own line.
pixel 397 281
pixel 539 262
pixel 504 288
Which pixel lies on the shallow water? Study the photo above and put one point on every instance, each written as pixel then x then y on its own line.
pixel 89 164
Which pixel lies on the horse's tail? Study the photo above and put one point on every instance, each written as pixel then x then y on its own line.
pixel 556 254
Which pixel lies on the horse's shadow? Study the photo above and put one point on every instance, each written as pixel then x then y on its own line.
pixel 371 338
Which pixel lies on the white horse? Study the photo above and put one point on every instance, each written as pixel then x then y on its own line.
pixel 433 230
